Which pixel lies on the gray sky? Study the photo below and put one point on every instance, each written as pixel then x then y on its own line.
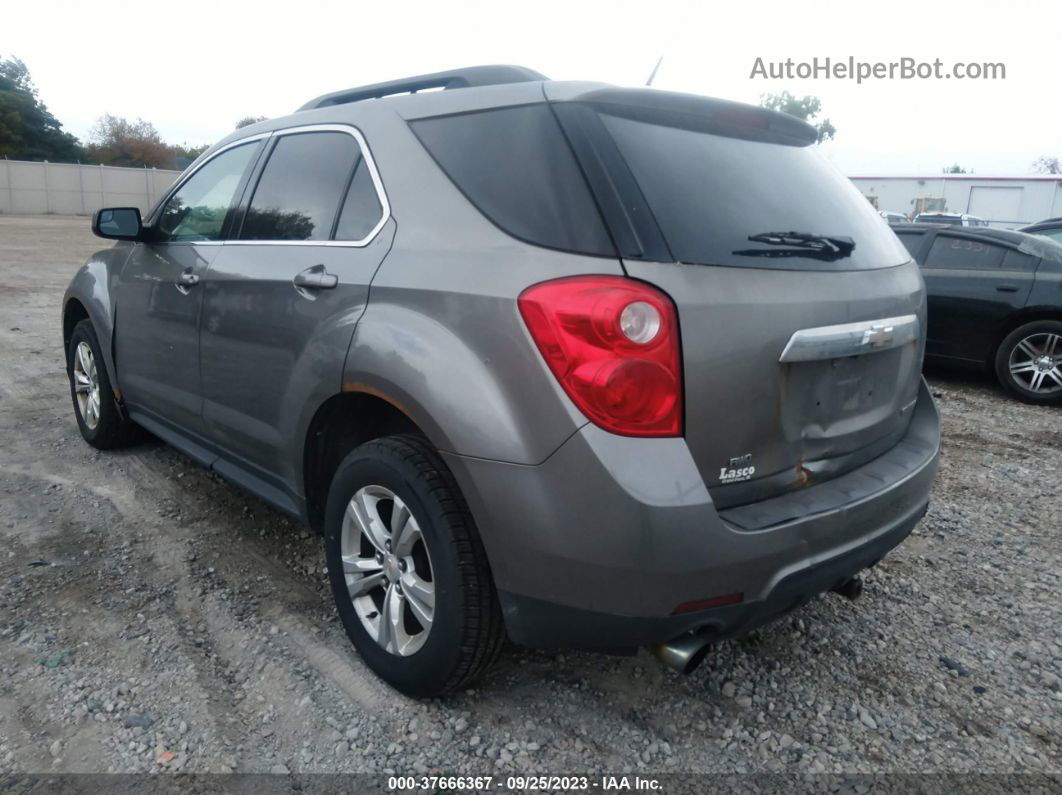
pixel 194 68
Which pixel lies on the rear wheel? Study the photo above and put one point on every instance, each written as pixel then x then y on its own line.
pixel 1029 362
pixel 407 568
pixel 98 417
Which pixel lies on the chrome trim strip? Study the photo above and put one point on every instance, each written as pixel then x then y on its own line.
pixel 366 153
pixel 851 339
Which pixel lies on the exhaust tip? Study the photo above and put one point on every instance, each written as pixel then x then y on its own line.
pixel 684 654
pixel 850 589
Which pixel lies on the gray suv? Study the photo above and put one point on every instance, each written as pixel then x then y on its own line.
pixel 576 365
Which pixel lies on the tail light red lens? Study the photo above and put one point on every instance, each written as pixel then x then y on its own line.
pixel 613 345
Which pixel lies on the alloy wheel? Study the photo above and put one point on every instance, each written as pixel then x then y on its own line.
pixel 1035 363
pixel 87 385
pixel 388 570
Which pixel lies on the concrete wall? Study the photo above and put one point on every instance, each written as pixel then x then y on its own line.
pixel 67 189
pixel 1005 202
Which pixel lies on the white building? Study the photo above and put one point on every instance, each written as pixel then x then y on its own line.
pixel 1006 202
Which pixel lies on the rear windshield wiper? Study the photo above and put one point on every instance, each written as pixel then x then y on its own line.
pixel 799 244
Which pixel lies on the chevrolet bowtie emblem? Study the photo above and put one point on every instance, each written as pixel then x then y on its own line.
pixel 877 336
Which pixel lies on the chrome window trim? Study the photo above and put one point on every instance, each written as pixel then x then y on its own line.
pixel 851 339
pixel 366 153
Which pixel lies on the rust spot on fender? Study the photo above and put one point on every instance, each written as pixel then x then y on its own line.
pixel 804 476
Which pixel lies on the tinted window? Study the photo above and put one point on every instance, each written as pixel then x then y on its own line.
pixel 963 253
pixel 297 196
pixel 1054 234
pixel 709 193
pixel 197 210
pixel 912 241
pixel 361 208
pixel 1016 261
pixel 516 167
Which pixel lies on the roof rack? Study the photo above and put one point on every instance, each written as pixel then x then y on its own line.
pixel 456 78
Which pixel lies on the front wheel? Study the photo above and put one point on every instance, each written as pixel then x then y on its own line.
pixel 1029 362
pixel 408 570
pixel 98 417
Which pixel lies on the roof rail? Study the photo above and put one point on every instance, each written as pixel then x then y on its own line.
pixel 455 78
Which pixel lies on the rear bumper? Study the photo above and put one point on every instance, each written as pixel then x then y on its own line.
pixel 597 546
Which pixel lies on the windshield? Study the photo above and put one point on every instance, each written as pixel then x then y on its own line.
pixel 722 201
pixel 947 220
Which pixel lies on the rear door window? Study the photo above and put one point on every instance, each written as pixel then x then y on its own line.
pixel 298 195
pixel 952 251
pixel 1017 261
pixel 362 210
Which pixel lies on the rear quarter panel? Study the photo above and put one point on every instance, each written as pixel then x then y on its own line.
pixel 442 337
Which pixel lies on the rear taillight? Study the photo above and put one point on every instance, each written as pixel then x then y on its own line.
pixel 613 345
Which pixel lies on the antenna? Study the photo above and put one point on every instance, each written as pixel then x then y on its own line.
pixel 652 75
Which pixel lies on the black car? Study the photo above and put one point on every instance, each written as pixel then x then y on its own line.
pixel 995 302
pixel 1049 227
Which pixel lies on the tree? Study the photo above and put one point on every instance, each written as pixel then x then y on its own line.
pixel 956 169
pixel 116 141
pixel 805 108
pixel 1047 165
pixel 183 154
pixel 247 121
pixel 27 130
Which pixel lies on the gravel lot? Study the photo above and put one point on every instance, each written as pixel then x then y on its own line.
pixel 153 617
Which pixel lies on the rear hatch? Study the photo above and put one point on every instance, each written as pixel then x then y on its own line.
pixel 801 314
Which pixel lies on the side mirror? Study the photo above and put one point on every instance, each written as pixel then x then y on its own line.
pixel 117 223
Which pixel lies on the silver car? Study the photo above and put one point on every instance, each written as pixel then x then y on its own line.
pixel 578 365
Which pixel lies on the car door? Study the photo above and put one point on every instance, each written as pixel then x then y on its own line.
pixel 973 283
pixel 158 294
pixel 283 296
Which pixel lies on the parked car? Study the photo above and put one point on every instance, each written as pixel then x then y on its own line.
pixel 1050 227
pixel 994 303
pixel 950 219
pixel 590 366
pixel 893 218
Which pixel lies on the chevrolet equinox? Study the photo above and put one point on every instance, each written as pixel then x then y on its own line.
pixel 576 365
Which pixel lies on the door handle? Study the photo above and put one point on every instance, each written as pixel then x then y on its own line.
pixel 1007 288
pixel 316 278
pixel 187 279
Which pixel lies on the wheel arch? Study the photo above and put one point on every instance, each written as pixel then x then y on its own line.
pixel 73 313
pixel 1029 314
pixel 344 421
pixel 89 297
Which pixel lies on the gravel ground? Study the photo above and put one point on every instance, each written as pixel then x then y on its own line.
pixel 153 618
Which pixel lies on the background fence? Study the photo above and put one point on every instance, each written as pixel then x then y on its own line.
pixel 67 189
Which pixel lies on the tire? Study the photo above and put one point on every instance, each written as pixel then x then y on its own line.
pixel 437 549
pixel 1029 362
pixel 98 417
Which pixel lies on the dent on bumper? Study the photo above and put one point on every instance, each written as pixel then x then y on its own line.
pixel 596 546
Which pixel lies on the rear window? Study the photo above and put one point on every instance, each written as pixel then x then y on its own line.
pixel 710 193
pixel 516 167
